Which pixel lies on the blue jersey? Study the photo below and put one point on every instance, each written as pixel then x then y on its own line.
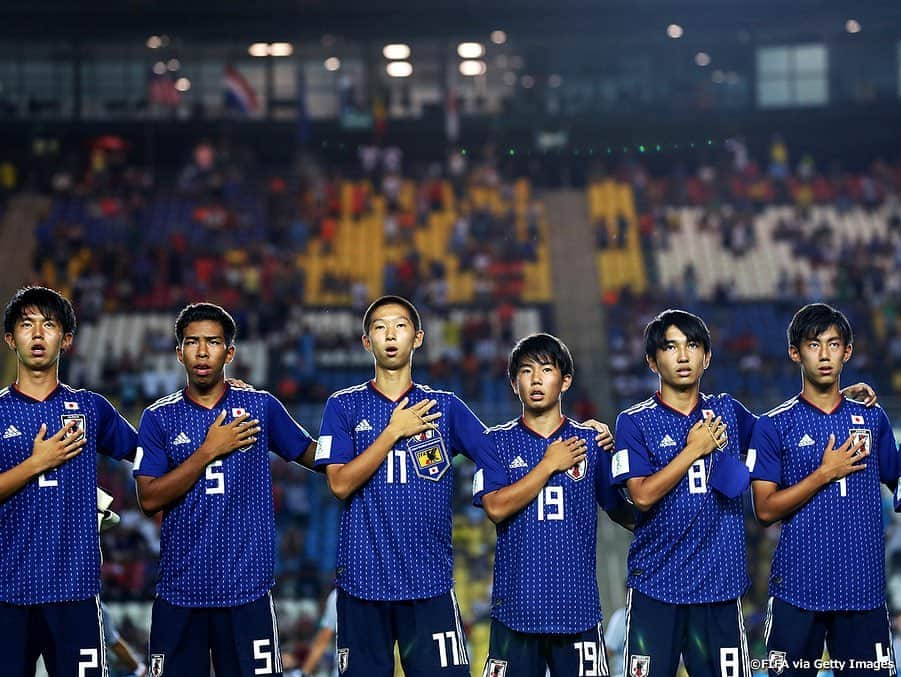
pixel 49 548
pixel 395 536
pixel 689 548
pixel 831 553
pixel 558 526
pixel 217 542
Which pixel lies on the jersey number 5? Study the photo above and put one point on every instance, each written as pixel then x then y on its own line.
pixel 215 474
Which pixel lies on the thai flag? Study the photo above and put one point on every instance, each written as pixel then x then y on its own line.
pixel 239 95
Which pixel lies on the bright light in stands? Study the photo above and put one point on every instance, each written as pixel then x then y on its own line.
pixel 498 37
pixel 154 42
pixel 281 49
pixel 173 64
pixel 258 49
pixel 509 79
pixel 471 68
pixel 332 64
pixel 527 81
pixel 183 84
pixel 399 69
pixel 702 59
pixel 674 31
pixel 470 50
pixel 554 81
pixel 159 68
pixel 852 26
pixel 396 52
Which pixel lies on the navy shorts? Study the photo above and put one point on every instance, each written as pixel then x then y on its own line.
pixel 241 640
pixel 68 634
pixel 520 654
pixel 859 642
pixel 710 638
pixel 428 633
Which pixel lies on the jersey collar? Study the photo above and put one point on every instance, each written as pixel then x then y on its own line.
pixel 810 404
pixel 374 389
pixel 197 404
pixel 693 411
pixel 28 398
pixel 538 434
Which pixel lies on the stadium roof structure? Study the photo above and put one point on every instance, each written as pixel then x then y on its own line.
pixel 389 19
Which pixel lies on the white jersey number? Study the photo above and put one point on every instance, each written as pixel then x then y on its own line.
pixel 442 639
pixel 262 652
pixel 400 457
pixel 592 662
pixel 550 504
pixel 697 477
pixel 215 475
pixel 89 659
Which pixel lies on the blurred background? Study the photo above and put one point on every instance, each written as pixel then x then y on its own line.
pixel 511 166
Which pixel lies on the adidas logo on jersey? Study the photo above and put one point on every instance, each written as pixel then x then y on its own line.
pixel 11 431
pixel 363 426
pixel 667 441
pixel 517 463
pixel 181 438
pixel 806 441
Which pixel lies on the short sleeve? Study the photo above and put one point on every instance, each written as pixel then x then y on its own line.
pixel 609 497
pixel 765 452
pixel 287 437
pixel 335 443
pixel 631 457
pixel 116 437
pixel 746 421
pixel 889 462
pixel 470 438
pixel 151 458
pixel 488 477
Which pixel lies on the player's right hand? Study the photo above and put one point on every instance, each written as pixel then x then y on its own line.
pixel 705 435
pixel 224 439
pixel 408 421
pixel 564 454
pixel 53 451
pixel 841 462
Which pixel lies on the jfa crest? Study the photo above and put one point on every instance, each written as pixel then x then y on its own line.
pixel 343 660
pixel 639 666
pixel 577 472
pixel 429 456
pixel 156 664
pixel 495 668
pixel 80 424
pixel 861 435
pixel 777 662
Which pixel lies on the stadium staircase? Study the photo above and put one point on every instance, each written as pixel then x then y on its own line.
pixel 579 319
pixel 17 241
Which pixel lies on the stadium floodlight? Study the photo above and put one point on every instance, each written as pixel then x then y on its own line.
pixel 281 49
pixel 173 64
pixel 470 50
pixel 852 26
pixel 154 42
pixel 471 68
pixel 399 69
pixel 332 64
pixel 159 68
pixel 674 31
pixel 396 52
pixel 498 37
pixel 702 59
pixel 258 49
pixel 183 84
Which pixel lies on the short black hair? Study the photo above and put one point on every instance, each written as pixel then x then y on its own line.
pixel 689 324
pixel 200 312
pixel 544 349
pixel 387 300
pixel 815 318
pixel 52 305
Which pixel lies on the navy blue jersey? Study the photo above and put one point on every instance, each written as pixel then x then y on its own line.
pixel 49 548
pixel 217 542
pixel 831 553
pixel 558 526
pixel 395 537
pixel 689 548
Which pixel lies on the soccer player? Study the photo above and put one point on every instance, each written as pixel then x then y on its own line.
pixel 387 448
pixel 678 456
pixel 816 462
pixel 203 459
pixel 49 548
pixel 553 478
